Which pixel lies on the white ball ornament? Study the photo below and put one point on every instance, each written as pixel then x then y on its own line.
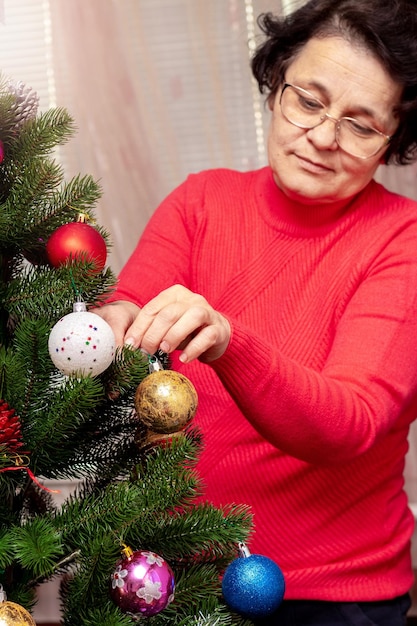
pixel 81 343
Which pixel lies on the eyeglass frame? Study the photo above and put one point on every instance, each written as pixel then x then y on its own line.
pixel 327 116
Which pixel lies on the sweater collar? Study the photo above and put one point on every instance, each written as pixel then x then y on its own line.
pixel 298 219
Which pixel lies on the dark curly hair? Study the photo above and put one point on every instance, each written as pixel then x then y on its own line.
pixel 388 28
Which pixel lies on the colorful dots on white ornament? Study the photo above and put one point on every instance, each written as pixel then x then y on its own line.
pixel 81 343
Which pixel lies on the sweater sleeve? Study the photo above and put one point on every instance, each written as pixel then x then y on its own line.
pixel 367 385
pixel 162 255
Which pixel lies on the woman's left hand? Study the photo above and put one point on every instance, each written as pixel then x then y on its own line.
pixel 176 319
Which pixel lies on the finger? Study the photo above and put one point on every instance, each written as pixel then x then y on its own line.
pixel 119 335
pixel 201 344
pixel 159 315
pixel 150 326
pixel 209 343
pixel 182 326
pixel 118 318
pixel 142 323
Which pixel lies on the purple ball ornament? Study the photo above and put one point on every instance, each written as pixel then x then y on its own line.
pixel 253 585
pixel 142 584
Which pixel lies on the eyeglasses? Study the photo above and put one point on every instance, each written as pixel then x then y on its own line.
pixel 301 108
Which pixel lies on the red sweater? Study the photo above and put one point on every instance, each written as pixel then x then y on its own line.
pixel 306 415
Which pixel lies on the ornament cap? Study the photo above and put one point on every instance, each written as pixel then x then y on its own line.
pixel 79 307
pixel 127 551
pixel 243 549
pixel 154 364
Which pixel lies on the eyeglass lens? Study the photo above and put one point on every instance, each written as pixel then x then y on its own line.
pixel 302 109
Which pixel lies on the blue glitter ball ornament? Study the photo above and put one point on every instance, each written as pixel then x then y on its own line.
pixel 253 585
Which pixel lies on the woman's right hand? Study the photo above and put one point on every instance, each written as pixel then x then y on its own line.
pixel 120 316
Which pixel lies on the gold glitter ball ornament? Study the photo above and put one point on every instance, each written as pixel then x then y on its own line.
pixel 12 614
pixel 166 401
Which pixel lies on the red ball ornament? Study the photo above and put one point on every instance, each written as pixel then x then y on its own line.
pixel 142 584
pixel 76 240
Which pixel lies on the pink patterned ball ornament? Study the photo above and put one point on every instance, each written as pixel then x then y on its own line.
pixel 81 343
pixel 142 584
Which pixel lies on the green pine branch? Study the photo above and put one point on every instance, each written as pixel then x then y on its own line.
pixel 129 490
pixel 28 198
pixel 40 136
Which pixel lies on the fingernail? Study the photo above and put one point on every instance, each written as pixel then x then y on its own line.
pixel 183 358
pixel 164 346
pixel 130 342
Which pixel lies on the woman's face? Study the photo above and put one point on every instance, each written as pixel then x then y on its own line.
pixel 308 165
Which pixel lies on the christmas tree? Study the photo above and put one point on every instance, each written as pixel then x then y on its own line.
pixel 77 419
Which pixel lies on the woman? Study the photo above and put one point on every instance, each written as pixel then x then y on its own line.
pixel 288 296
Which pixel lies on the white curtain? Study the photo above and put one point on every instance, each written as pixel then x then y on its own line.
pixel 159 88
